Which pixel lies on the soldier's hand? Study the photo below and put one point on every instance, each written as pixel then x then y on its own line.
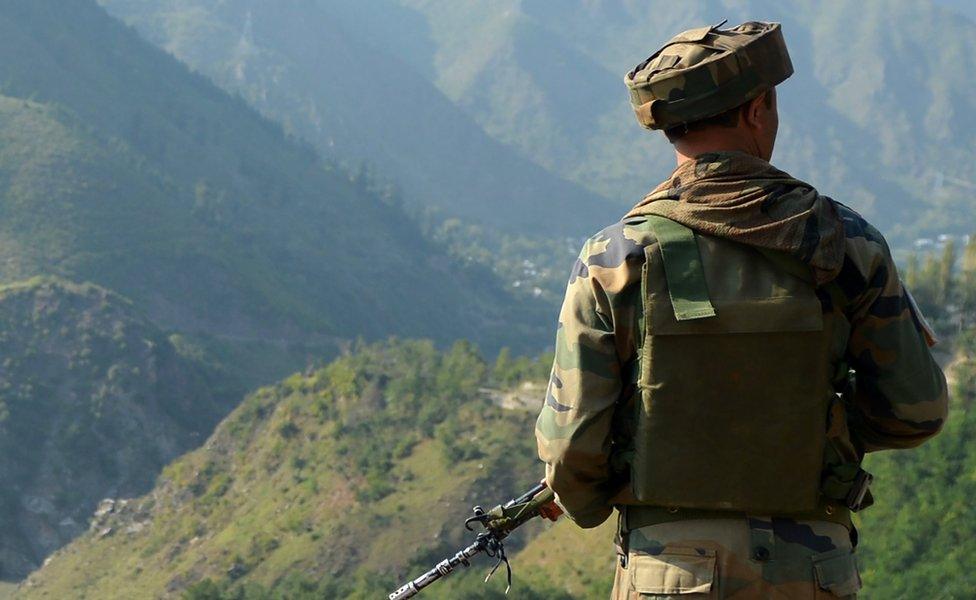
pixel 550 511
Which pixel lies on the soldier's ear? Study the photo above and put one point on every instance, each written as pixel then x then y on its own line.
pixel 756 109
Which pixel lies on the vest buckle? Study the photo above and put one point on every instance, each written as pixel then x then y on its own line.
pixel 859 490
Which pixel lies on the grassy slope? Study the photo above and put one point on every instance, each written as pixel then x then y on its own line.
pixel 125 169
pixel 580 560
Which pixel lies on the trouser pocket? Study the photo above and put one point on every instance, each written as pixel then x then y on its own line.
pixel 676 572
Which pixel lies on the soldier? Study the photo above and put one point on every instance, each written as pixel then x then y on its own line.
pixel 729 351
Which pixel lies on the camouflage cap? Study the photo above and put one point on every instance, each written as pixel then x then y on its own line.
pixel 703 72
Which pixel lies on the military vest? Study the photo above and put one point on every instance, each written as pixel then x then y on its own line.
pixel 735 378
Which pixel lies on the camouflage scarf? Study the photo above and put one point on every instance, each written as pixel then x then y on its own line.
pixel 742 198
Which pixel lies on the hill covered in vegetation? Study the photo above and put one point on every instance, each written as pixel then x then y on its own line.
pixel 313 67
pixel 544 77
pixel 120 166
pixel 341 481
pixel 481 82
pixel 94 401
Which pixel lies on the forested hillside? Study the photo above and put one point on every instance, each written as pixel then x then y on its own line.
pixel 119 166
pixel 921 535
pixel 94 401
pixel 313 67
pixel 484 88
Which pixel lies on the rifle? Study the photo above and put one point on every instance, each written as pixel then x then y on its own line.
pixel 498 523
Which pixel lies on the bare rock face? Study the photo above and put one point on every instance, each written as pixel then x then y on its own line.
pixel 524 396
pixel 105 507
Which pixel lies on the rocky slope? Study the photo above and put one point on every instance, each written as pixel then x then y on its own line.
pixel 94 401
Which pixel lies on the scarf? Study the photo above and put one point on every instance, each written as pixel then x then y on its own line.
pixel 745 199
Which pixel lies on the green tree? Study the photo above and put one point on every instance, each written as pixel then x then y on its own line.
pixel 967 281
pixel 946 270
pixel 911 272
pixel 503 365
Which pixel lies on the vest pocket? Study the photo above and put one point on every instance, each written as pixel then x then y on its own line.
pixel 676 571
pixel 836 572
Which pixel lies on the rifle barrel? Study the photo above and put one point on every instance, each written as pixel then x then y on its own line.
pixel 498 523
pixel 443 568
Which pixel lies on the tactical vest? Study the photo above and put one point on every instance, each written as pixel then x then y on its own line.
pixel 735 378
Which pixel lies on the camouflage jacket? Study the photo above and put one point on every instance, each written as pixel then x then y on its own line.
pixel 582 430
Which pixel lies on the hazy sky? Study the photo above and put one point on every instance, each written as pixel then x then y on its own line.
pixel 964 7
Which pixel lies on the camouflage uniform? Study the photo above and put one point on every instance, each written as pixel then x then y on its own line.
pixel 585 429
pixel 732 548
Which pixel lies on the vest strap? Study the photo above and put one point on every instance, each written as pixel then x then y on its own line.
pixel 683 269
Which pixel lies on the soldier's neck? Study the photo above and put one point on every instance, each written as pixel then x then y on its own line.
pixel 700 142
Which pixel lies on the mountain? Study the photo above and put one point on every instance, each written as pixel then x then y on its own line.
pixel 542 81
pixel 216 254
pixel 121 167
pixel 345 479
pixel 875 116
pixel 314 67
pixel 94 401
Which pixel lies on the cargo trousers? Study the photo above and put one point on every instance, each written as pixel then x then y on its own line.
pixel 737 559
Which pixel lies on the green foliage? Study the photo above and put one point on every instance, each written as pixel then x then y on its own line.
pixel 465 584
pixel 508 371
pixel 945 287
pixel 920 536
pixel 916 539
pixel 967 283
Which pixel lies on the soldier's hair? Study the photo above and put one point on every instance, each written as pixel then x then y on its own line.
pixel 728 119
